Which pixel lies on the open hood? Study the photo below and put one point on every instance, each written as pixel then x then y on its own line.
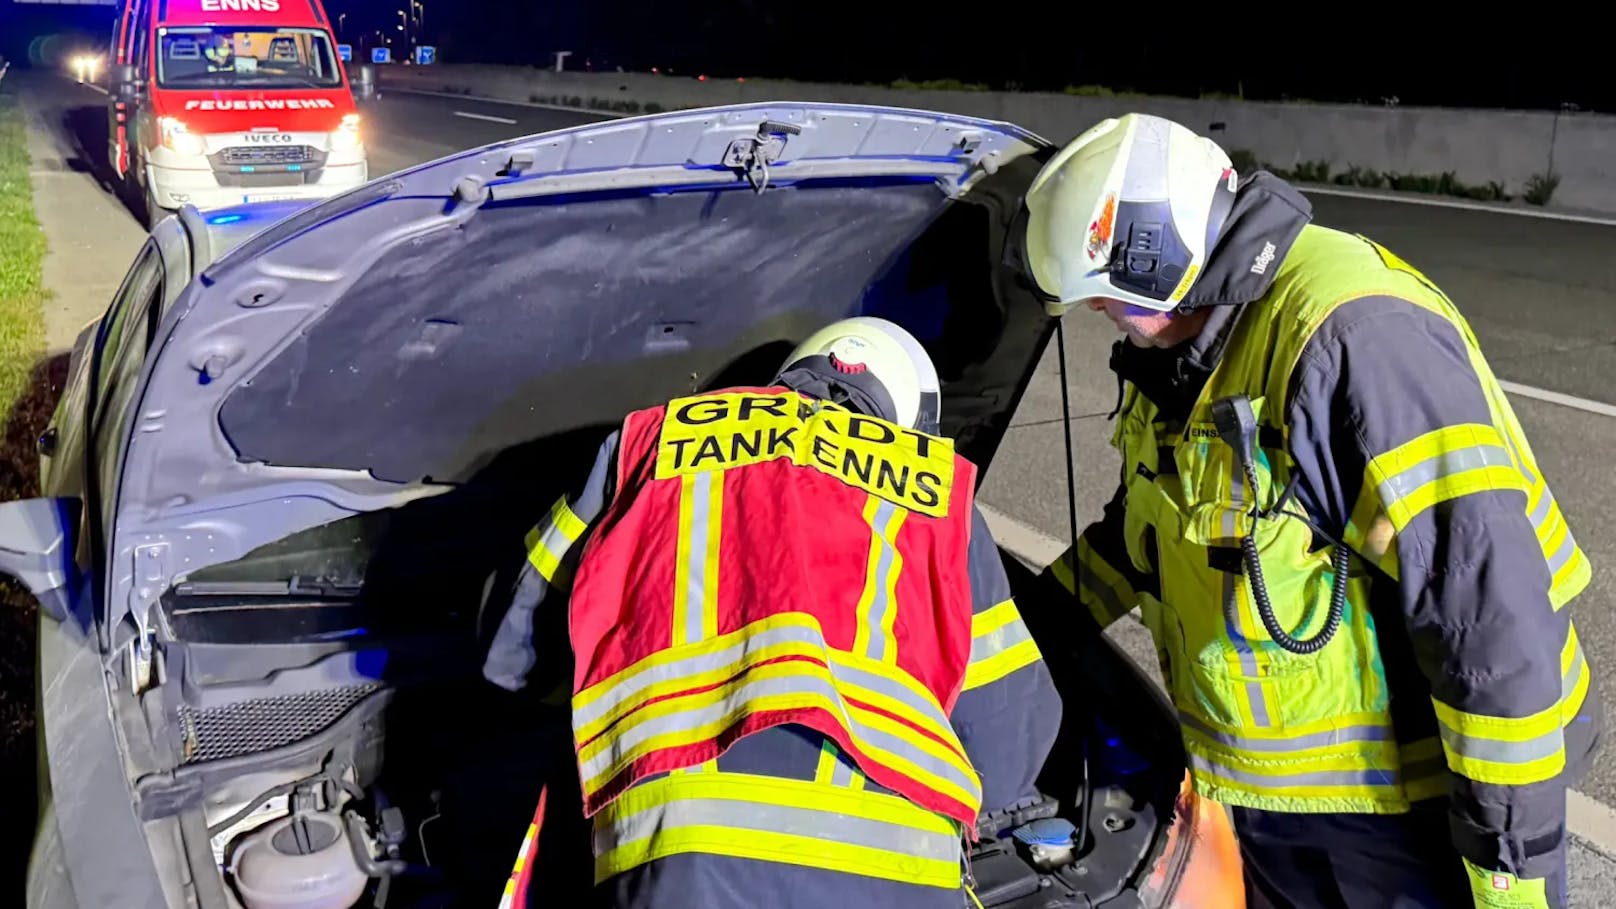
pixel 496 313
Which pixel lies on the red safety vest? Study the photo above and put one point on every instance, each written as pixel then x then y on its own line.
pixel 769 559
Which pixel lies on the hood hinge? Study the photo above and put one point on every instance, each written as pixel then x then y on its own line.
pixel 752 155
pixel 151 576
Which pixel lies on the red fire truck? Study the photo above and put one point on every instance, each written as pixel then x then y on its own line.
pixel 220 102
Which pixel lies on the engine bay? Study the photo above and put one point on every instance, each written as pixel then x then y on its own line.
pixel 385 772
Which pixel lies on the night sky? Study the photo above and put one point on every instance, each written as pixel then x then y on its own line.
pixel 1366 54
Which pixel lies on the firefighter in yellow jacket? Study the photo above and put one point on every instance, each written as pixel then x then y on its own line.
pixel 1355 573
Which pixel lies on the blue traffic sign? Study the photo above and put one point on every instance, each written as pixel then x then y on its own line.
pixel 345 51
pixel 381 55
pixel 426 55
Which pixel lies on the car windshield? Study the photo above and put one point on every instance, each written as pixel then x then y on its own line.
pixel 246 57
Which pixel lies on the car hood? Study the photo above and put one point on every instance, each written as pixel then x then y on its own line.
pixel 407 338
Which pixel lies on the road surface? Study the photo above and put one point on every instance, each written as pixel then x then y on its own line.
pixel 1539 293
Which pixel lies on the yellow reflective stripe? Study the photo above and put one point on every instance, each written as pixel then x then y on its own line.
pixel 1424 769
pixel 1061 568
pixel 877 605
pixel 1000 644
pixel 827 762
pixel 1109 596
pixel 1439 466
pixel 992 619
pixel 549 541
pixel 778 820
pixel 695 582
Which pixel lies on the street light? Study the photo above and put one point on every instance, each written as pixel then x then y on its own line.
pixel 341 18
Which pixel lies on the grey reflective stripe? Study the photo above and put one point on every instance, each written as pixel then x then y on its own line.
pixel 1520 462
pixel 731 655
pixel 730 707
pixel 1344 735
pixel 1446 464
pixel 1568 682
pixel 885 513
pixel 999 640
pixel 1248 659
pixel 1562 554
pixel 1316 778
pixel 842 773
pixel 1104 592
pixel 696 565
pixel 765 817
pixel 1541 512
pixel 1501 752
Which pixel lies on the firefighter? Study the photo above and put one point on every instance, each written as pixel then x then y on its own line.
pixel 799 675
pixel 1330 520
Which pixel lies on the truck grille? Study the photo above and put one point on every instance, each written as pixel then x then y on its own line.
pixel 262 724
pixel 251 156
pixel 270 178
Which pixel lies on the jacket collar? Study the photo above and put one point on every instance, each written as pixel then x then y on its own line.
pixel 1267 217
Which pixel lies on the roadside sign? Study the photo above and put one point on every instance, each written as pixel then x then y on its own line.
pixel 381 55
pixel 426 55
pixel 345 51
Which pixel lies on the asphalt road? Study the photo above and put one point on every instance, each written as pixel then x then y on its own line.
pixel 1539 293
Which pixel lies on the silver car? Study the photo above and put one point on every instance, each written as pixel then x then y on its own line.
pixel 288 481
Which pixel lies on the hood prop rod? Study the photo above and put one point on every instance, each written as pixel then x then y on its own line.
pixel 1086 786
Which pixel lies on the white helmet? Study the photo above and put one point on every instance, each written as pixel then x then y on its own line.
pixel 880 360
pixel 1129 210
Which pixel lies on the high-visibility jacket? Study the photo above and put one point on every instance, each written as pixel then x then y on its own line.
pixel 786 809
pixel 1380 416
pixel 705 609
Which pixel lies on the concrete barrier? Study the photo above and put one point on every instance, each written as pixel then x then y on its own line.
pixel 1476 147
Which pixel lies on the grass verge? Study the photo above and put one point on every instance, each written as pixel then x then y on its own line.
pixel 26 398
pixel 22 249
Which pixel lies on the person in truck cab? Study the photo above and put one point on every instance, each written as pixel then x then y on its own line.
pixel 1332 523
pixel 221 56
pixel 799 673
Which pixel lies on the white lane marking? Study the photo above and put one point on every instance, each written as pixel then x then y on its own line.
pixel 97 88
pixel 1459 203
pixel 484 98
pixel 1025 542
pixel 1592 820
pixel 1555 397
pixel 1586 817
pixel 471 116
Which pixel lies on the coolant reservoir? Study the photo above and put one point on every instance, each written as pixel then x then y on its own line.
pixel 299 862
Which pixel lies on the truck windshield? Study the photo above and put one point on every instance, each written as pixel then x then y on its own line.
pixel 235 56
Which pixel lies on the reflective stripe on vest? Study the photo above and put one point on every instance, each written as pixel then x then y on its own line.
pixel 772 559
pixel 777 820
pixel 687 695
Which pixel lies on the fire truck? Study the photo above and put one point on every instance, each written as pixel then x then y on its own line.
pixel 221 102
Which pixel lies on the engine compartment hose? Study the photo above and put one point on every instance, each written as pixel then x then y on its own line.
pixel 1265 608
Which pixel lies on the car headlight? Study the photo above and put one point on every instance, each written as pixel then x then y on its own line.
pixel 346 136
pixel 177 137
pixel 1200 867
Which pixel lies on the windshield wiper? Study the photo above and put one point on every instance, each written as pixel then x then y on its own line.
pixel 296 586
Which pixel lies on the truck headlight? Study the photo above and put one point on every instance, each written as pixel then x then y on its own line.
pixel 177 137
pixel 346 137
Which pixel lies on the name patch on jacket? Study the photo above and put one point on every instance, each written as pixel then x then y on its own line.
pixel 734 429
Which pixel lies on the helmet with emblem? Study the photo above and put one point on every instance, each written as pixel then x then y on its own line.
pixel 1130 210
pixel 871 365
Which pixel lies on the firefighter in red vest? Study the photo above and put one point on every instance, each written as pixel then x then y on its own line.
pixel 799 676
